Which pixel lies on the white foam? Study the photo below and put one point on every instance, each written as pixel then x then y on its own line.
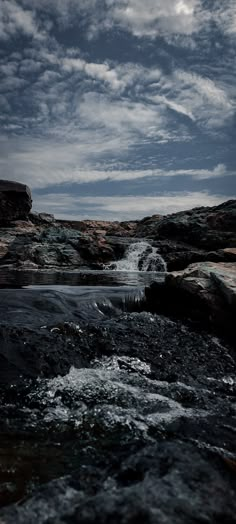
pixel 140 256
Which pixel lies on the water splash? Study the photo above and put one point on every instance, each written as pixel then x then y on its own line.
pixel 140 256
pixel 116 393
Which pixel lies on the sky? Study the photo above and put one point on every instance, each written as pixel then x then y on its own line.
pixel 119 109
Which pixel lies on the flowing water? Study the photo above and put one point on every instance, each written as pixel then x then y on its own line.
pixel 141 265
pixel 94 379
pixel 140 256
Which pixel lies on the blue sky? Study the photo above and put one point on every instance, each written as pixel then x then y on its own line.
pixel 119 109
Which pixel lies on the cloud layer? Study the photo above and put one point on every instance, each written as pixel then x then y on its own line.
pixel 118 91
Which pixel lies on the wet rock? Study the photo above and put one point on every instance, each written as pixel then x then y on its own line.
pixel 178 255
pixel 44 331
pixel 182 239
pixel 96 250
pixel 52 246
pixel 135 409
pixel 203 291
pixel 15 201
pixel 165 483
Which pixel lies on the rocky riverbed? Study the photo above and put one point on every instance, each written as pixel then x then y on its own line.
pixel 117 394
pixel 123 417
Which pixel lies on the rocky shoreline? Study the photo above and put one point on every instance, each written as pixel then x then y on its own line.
pixel 113 411
pixel 198 246
pixel 38 240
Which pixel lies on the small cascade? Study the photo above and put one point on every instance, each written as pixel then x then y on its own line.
pixel 140 256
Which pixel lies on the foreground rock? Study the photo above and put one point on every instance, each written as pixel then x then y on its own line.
pixel 166 483
pixel 140 429
pixel 205 292
pixel 15 201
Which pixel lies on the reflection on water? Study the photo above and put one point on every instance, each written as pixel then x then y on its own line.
pixel 17 279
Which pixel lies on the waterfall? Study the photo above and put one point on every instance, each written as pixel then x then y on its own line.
pixel 140 256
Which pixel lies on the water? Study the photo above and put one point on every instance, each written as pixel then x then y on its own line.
pixel 138 378
pixel 141 265
pixel 52 295
pixel 87 277
pixel 140 256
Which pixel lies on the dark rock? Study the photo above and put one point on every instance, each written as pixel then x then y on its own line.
pixel 43 326
pixel 165 483
pixel 42 218
pixel 141 429
pixel 182 239
pixel 205 292
pixel 15 201
pixel 230 254
pixel 95 249
pixel 210 228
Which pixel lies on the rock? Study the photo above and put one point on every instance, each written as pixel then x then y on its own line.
pixel 166 483
pixel 15 201
pixel 42 218
pixel 226 280
pixel 43 332
pixel 230 254
pixel 27 264
pixel 3 249
pixel 102 227
pixel 210 228
pixel 205 291
pixel 178 255
pixel 95 249
pixel 112 416
pixel 181 239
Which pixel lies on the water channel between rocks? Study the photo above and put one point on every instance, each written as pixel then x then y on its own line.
pixel 109 405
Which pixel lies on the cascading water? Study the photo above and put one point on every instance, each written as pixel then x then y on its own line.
pixel 140 256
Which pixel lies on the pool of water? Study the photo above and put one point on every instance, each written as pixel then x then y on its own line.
pixel 17 279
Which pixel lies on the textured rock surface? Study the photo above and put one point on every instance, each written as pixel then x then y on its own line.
pixel 210 228
pixel 143 431
pixel 119 417
pixel 52 246
pixel 204 291
pixel 15 201
pixel 183 238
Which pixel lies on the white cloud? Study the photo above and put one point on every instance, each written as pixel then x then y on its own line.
pixel 178 21
pixel 224 16
pixel 44 163
pixel 70 115
pixel 67 206
pixel 98 71
pixel 14 19
pixel 123 117
pixel 175 106
pixel 155 17
pixel 209 103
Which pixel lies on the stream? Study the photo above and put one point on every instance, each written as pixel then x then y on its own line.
pixel 109 413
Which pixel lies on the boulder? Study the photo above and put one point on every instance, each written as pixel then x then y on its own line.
pixel 230 254
pixel 204 292
pixel 209 228
pixel 42 219
pixel 15 201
